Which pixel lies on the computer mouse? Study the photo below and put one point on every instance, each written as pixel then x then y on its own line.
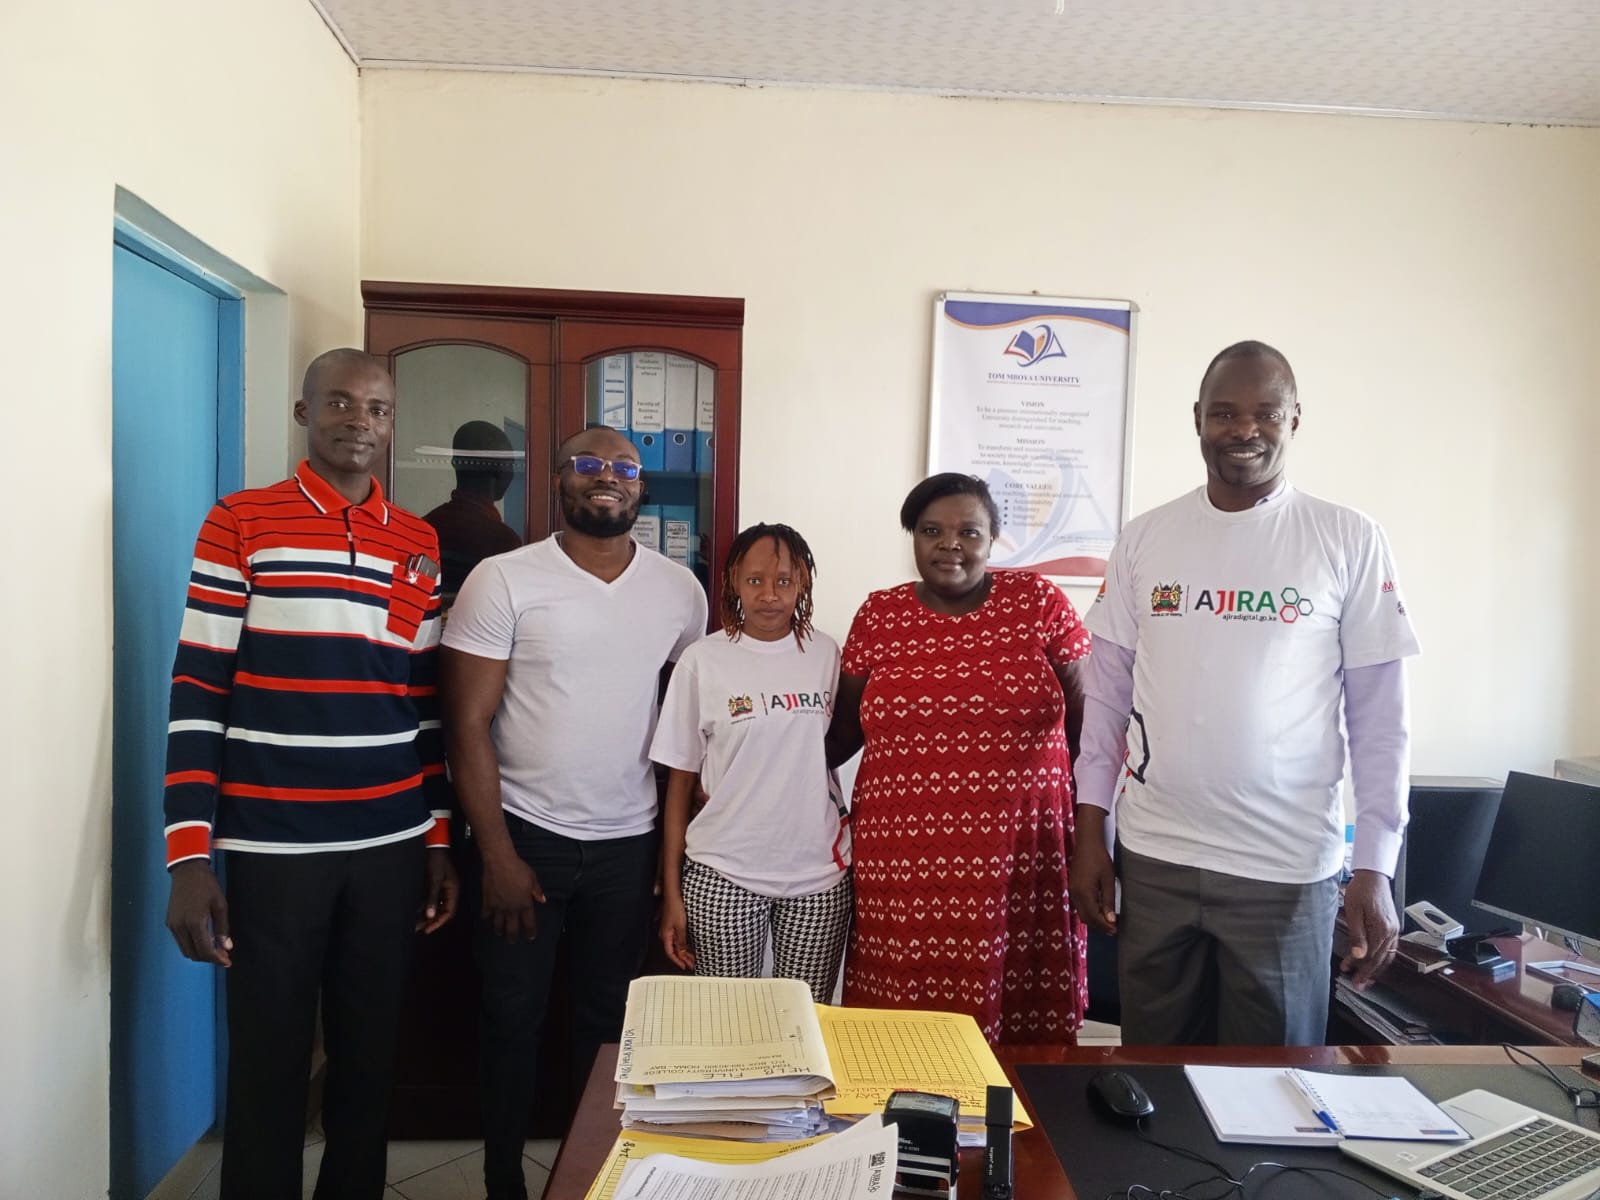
pixel 1118 1095
pixel 1567 996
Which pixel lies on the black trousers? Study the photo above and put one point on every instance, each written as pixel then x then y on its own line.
pixel 599 899
pixel 338 923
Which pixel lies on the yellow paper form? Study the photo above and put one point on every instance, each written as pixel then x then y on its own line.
pixel 701 1029
pixel 636 1145
pixel 876 1050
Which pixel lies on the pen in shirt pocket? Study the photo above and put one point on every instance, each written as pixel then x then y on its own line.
pixel 421 564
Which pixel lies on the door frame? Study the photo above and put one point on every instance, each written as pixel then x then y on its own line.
pixel 229 465
pixel 230 343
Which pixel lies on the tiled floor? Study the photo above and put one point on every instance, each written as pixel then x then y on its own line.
pixel 417 1170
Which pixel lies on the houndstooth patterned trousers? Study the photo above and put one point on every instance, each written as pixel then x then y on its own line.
pixel 729 928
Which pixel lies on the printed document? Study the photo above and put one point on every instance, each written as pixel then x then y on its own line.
pixel 630 1146
pixel 858 1164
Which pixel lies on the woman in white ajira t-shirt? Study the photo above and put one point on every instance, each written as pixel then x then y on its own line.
pixel 747 710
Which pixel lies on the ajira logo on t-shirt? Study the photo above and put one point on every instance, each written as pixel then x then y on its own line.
pixel 1231 604
pixel 821 703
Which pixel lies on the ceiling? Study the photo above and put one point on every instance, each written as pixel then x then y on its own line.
pixel 1519 61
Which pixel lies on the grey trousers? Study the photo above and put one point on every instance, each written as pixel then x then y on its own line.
pixel 1205 958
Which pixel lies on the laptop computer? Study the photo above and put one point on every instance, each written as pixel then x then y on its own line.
pixel 1516 1153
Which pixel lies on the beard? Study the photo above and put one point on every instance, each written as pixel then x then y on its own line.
pixel 598 524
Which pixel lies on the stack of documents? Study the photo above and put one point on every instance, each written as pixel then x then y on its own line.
pixel 1288 1107
pixel 858 1164
pixel 735 1058
pixel 1386 1012
pixel 756 1059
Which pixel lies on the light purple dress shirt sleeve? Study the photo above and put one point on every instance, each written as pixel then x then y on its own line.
pixel 1378 719
pixel 1108 701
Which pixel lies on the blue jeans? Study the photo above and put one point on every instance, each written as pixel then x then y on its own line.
pixel 599 898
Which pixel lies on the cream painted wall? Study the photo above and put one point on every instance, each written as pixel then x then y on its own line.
pixel 1435 285
pixel 240 123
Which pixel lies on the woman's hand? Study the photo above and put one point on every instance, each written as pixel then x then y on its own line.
pixel 675 932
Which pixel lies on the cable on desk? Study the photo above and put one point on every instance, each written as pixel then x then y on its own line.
pixel 1142 1128
pixel 1284 1169
pixel 1581 1097
pixel 1220 1175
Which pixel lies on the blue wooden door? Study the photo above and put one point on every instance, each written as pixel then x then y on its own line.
pixel 175 360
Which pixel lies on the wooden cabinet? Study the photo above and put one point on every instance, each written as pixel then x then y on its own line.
pixel 533 363
pixel 489 382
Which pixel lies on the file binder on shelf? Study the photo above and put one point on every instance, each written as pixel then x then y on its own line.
pixel 679 411
pixel 705 413
pixel 614 372
pixel 647 529
pixel 647 396
pixel 678 540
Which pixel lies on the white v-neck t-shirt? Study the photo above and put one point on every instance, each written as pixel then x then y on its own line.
pixel 750 716
pixel 583 659
pixel 1242 625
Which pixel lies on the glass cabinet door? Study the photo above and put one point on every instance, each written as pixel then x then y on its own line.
pixel 461 451
pixel 666 405
pixel 472 416
pixel 675 392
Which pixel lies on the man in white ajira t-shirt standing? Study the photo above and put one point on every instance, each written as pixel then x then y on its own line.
pixel 550 676
pixel 1232 624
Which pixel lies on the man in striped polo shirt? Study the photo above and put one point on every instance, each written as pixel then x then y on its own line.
pixel 305 742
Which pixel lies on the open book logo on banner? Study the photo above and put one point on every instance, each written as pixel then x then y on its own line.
pixel 1035 345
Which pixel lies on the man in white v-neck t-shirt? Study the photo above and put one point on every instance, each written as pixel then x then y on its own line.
pixel 550 677
pixel 1233 624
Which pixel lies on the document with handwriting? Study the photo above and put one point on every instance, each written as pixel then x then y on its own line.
pixel 700 1029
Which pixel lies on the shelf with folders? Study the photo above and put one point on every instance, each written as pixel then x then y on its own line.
pixel 443 458
pixel 666 405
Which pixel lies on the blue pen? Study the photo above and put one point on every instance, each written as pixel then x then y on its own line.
pixel 1310 1093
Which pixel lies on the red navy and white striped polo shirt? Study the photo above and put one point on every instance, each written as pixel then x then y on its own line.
pixel 304 709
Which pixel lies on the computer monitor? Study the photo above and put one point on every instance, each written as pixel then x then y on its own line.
pixel 1451 818
pixel 1540 864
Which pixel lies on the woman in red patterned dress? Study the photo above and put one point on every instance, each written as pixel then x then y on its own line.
pixel 963 687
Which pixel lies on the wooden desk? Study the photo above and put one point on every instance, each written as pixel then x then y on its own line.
pixel 1466 1002
pixel 1038 1175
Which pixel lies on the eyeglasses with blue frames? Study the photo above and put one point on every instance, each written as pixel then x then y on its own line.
pixel 591 464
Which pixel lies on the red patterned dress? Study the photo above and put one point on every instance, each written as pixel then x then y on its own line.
pixel 963 811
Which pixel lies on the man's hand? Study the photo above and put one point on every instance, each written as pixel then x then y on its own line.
pixel 1092 880
pixel 510 890
pixel 675 932
pixel 1374 928
pixel 441 890
pixel 197 914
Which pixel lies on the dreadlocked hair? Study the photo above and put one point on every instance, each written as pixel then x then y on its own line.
pixel 805 570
